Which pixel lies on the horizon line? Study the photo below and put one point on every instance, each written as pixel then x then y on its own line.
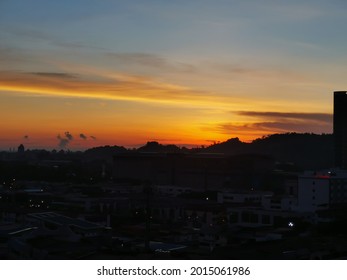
pixel 181 146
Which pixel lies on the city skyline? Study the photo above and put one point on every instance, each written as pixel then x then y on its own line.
pixel 127 72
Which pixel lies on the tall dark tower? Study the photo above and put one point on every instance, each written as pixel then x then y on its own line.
pixel 340 128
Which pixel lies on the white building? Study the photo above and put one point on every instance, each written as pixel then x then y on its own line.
pixel 168 190
pixel 279 202
pixel 318 190
pixel 238 196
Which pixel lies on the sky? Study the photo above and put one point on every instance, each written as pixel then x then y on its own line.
pixel 81 73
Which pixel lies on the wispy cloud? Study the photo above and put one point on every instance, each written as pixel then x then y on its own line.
pixel 38 35
pixel 258 124
pixel 316 117
pixel 65 140
pixel 82 136
pixel 263 128
pixel 249 70
pixel 113 85
pixel 150 61
pixel 68 135
pixel 25 32
pixel 54 75
pixel 299 11
pixel 10 55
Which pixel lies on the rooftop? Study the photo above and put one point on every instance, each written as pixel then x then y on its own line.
pixel 58 219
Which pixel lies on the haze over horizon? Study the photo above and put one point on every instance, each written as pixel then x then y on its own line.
pixel 91 73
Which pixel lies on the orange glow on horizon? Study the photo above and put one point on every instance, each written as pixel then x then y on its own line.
pixel 120 109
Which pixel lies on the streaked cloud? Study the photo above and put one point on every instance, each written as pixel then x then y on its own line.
pixel 258 129
pixel 253 71
pixel 63 142
pixel 25 32
pixel 139 70
pixel 316 117
pixel 257 123
pixel 68 135
pixel 116 86
pixel 150 61
pixel 82 136
pixel 10 55
pixel 54 75
pixel 290 11
pixel 31 34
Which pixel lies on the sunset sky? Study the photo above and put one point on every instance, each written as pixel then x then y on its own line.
pixel 81 73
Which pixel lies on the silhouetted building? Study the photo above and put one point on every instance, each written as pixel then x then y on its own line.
pixel 340 128
pixel 196 171
pixel 21 149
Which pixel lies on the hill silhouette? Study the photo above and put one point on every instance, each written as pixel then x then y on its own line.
pixel 155 147
pixel 306 150
pixel 103 152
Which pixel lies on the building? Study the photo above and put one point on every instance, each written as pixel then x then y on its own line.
pixel 195 171
pixel 242 196
pixel 21 149
pixel 313 191
pixel 322 190
pixel 340 128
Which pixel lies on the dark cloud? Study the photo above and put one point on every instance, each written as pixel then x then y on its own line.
pixel 26 137
pixel 302 127
pixel 125 87
pixel 319 117
pixel 93 137
pixel 68 135
pixel 63 142
pixel 269 122
pixel 54 75
pixel 83 136
pixel 274 127
pixel 266 123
